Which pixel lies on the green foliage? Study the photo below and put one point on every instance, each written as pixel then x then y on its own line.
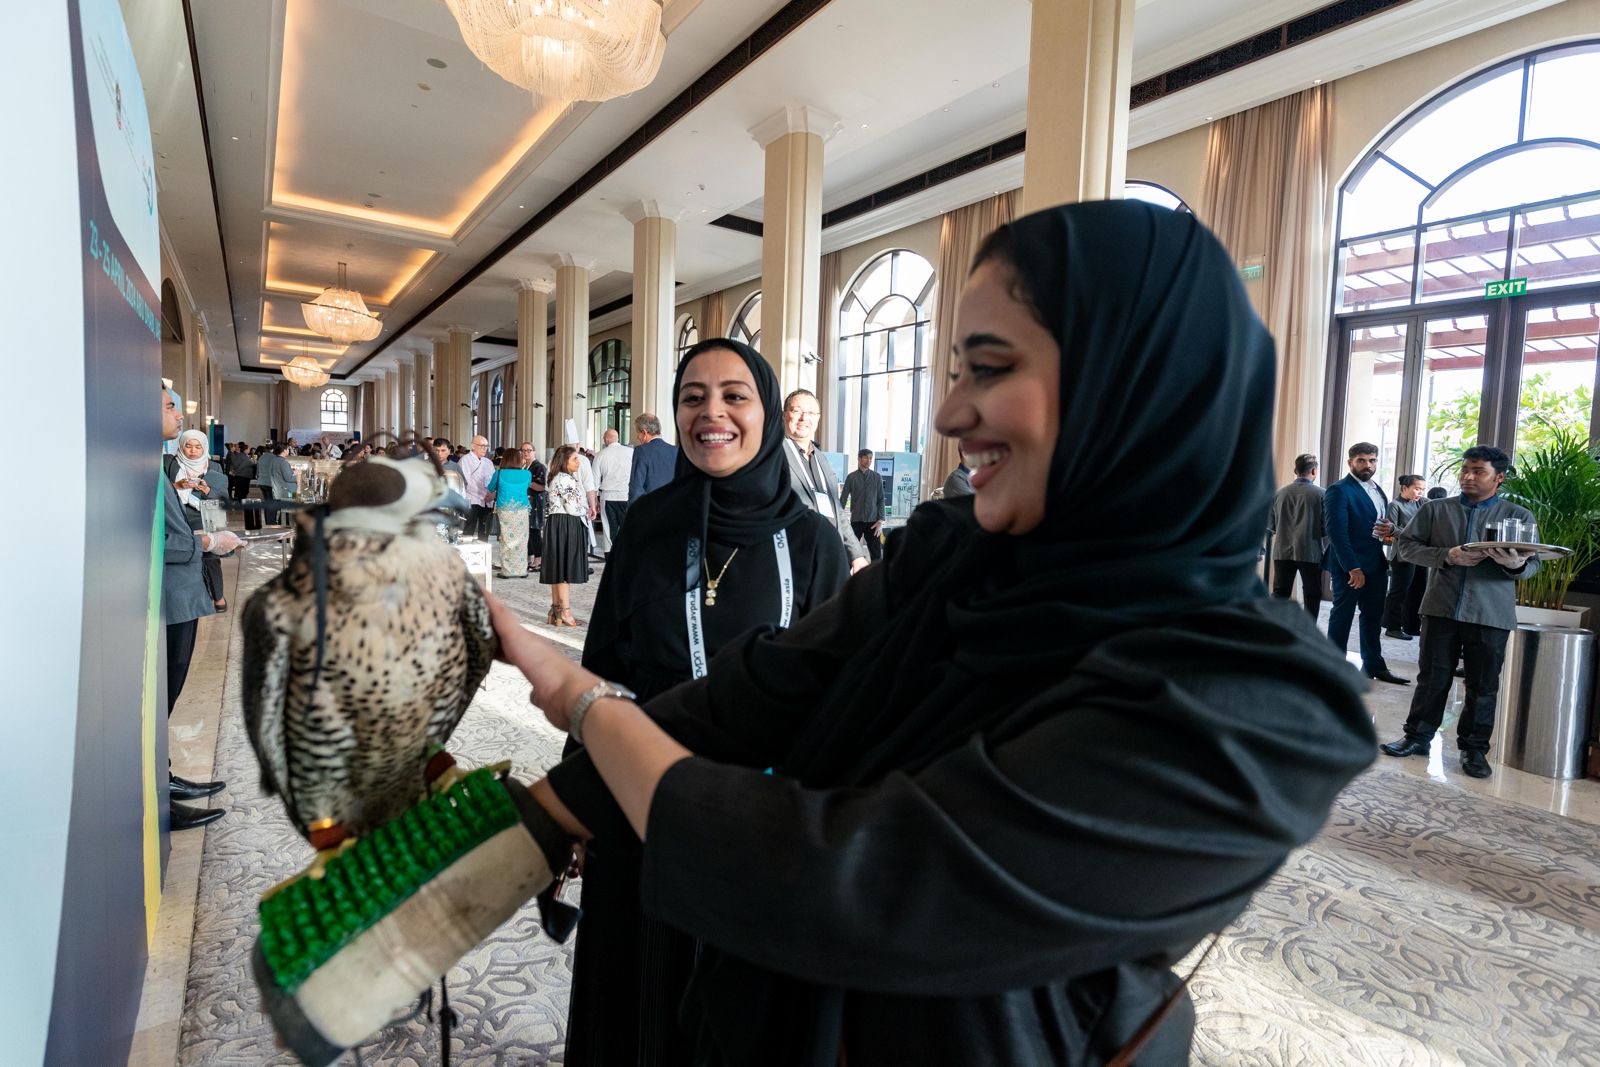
pixel 1559 481
pixel 1542 409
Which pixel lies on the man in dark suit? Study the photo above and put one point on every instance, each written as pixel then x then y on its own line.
pixel 1296 524
pixel 1355 562
pixel 813 478
pixel 654 461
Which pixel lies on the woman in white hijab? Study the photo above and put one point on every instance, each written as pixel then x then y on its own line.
pixel 197 477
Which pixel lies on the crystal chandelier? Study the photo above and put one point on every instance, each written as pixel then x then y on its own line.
pixel 566 49
pixel 305 372
pixel 341 314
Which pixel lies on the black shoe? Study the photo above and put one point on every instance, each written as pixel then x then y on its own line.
pixel 1475 765
pixel 1386 675
pixel 186 818
pixel 1406 746
pixel 183 789
pixel 1397 634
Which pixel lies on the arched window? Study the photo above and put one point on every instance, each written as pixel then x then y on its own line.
pixel 335 410
pixel 610 388
pixel 1468 272
pixel 688 336
pixel 476 423
pixel 1151 193
pixel 884 324
pixel 747 321
pixel 497 409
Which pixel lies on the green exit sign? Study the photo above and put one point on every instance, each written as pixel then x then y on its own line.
pixel 1252 273
pixel 1509 287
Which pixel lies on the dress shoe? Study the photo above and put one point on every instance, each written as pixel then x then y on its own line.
pixel 183 789
pixel 1475 765
pixel 1386 675
pixel 1406 746
pixel 186 818
pixel 1397 634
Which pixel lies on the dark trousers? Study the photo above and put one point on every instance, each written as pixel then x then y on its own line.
pixel 272 513
pixel 870 539
pixel 480 522
pixel 1482 650
pixel 1369 598
pixel 616 510
pixel 180 651
pixel 1402 607
pixel 1283 573
pixel 238 487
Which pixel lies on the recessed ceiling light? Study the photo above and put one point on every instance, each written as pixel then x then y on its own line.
pixel 425 87
pixel 1208 118
pixel 413 107
pixel 375 196
pixel 1318 81
pixel 994 85
pixel 863 125
pixel 947 109
pixel 438 63
pixel 236 138
pixel 522 207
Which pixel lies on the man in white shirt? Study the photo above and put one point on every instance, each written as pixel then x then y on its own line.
pixel 476 470
pixel 613 467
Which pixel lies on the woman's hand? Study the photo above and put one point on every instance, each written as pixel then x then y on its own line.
pixel 557 681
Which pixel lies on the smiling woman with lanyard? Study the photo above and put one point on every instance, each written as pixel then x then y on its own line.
pixel 725 547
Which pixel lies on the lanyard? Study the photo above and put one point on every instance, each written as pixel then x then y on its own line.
pixel 691 599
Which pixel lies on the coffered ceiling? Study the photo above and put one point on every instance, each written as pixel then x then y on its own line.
pixel 365 132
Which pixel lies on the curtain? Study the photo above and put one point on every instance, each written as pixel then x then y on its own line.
pixel 826 368
pixel 713 317
pixel 960 235
pixel 280 409
pixel 511 434
pixel 1267 198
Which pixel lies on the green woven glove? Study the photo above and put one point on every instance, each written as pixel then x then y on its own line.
pixel 340 956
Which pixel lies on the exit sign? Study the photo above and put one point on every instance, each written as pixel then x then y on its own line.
pixel 1252 273
pixel 1509 287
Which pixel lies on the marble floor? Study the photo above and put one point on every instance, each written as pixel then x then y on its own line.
pixel 1437 920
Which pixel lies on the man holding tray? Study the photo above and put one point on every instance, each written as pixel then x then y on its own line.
pixel 1469 610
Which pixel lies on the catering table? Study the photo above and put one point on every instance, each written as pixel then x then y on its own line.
pixel 282 536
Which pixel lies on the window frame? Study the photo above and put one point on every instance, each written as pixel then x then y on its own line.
pixel 923 305
pixel 341 408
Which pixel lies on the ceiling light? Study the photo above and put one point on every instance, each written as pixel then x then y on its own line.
pixel 438 63
pixel 341 314
pixel 566 49
pixel 236 138
pixel 305 372
pixel 425 87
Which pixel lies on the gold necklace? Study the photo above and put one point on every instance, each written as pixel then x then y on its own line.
pixel 712 583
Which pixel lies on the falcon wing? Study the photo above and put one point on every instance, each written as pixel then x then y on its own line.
pixel 477 633
pixel 265 660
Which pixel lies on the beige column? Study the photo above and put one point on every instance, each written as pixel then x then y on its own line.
pixel 190 386
pixel 655 274
pixel 387 387
pixel 441 389
pixel 1080 71
pixel 791 245
pixel 572 344
pixel 404 420
pixel 533 388
pixel 461 384
pixel 396 416
pixel 422 393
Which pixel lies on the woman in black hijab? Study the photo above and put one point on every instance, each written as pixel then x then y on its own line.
pixel 1055 740
pixel 725 547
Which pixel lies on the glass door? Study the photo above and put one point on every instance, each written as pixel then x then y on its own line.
pixel 1449 399
pixel 1556 385
pixel 1374 394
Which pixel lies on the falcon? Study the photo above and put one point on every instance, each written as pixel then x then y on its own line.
pixel 361 657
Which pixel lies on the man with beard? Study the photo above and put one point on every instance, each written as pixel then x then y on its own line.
pixel 1354 560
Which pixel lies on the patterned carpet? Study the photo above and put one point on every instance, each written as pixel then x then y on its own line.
pixel 1426 925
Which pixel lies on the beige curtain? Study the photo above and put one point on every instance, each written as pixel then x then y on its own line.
pixel 1267 198
pixel 962 232
pixel 511 434
pixel 827 367
pixel 713 317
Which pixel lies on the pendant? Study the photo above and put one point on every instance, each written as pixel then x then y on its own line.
pixel 711 598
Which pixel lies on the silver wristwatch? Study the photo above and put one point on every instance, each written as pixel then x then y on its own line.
pixel 601 691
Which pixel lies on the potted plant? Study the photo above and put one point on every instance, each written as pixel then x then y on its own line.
pixel 1559 481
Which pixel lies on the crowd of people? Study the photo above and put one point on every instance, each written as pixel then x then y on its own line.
pixel 1069 733
pixel 1406 568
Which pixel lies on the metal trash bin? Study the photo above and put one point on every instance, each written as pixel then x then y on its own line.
pixel 1544 704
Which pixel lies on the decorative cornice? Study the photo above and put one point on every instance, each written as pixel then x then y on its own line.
pixel 796 118
pixel 640 210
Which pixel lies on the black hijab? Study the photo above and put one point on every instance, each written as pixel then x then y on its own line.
pixel 739 510
pixel 1157 495
pixel 756 501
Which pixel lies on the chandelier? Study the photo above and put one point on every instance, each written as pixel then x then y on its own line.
pixel 341 314
pixel 305 372
pixel 566 49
